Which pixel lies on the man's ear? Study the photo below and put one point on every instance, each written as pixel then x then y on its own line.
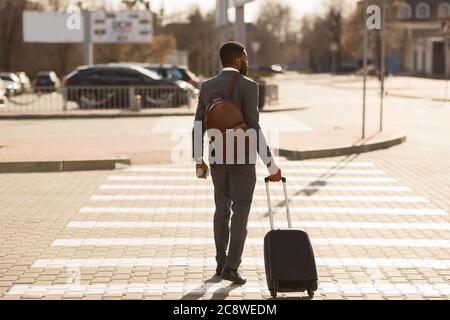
pixel 238 62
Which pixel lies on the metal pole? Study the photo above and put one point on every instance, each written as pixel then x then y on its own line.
pixel 88 48
pixel 240 30
pixel 365 44
pixel 222 24
pixel 383 61
pixel 447 62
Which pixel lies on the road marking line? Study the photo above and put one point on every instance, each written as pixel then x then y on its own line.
pixel 187 197
pixel 258 187
pixel 182 241
pixel 201 288
pixel 287 171
pixel 200 262
pixel 335 210
pixel 323 180
pixel 257 224
pixel 279 162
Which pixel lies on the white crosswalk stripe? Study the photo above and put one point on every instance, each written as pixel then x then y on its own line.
pixel 318 187
pixel 186 197
pixel 257 224
pixel 180 241
pixel 246 261
pixel 264 171
pixel 291 178
pixel 259 210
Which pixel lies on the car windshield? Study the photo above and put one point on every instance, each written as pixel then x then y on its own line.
pixel 6 78
pixel 157 71
pixel 167 73
pixel 151 73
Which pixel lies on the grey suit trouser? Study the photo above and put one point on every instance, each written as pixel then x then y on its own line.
pixel 233 188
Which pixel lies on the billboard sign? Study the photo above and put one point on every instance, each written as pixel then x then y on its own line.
pixel 121 27
pixel 51 27
pixel 106 27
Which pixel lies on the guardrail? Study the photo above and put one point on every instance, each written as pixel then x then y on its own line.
pixel 49 99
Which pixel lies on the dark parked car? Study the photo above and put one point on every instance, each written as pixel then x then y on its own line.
pixel 109 86
pixel 46 81
pixel 174 72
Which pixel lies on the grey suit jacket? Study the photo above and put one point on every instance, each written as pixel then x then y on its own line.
pixel 245 94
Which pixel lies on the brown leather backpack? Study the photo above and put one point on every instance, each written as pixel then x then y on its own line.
pixel 224 113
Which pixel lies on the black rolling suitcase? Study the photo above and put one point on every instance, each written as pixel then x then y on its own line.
pixel 288 256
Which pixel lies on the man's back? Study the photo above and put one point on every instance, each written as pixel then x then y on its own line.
pixel 245 94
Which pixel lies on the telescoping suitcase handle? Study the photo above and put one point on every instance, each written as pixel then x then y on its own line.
pixel 288 213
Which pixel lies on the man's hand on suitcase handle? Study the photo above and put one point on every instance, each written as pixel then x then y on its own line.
pixel 274 171
pixel 201 170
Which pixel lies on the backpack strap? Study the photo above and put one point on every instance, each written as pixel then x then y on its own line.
pixel 231 85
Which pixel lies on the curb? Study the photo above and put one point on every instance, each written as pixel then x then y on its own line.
pixel 61 166
pixel 398 95
pixel 90 116
pixel 30 116
pixel 341 151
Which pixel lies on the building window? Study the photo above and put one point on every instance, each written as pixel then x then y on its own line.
pixel 423 11
pixel 404 11
pixel 444 11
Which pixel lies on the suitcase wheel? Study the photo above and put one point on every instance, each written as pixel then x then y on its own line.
pixel 273 293
pixel 310 293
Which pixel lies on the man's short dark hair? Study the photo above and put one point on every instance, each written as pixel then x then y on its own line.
pixel 229 52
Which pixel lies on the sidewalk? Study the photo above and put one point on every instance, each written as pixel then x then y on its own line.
pixel 398 86
pixel 107 147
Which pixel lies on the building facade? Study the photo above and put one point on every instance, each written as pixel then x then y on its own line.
pixel 424 50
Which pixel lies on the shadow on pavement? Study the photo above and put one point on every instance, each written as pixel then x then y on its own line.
pixel 219 294
pixel 321 181
pixel 223 293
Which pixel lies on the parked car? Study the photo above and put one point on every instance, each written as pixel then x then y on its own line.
pixel 11 83
pixel 24 80
pixel 174 72
pixel 46 81
pixel 2 93
pixel 106 86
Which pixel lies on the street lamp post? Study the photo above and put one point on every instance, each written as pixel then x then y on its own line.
pixel 446 31
pixel 222 23
pixel 383 60
pixel 365 49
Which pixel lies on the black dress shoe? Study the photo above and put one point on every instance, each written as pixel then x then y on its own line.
pixel 232 275
pixel 219 270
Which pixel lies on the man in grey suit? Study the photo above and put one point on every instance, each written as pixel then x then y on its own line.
pixel 234 184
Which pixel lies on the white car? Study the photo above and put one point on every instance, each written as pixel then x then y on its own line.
pixel 12 83
pixel 2 93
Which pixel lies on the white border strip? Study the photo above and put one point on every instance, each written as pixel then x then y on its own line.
pixel 202 288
